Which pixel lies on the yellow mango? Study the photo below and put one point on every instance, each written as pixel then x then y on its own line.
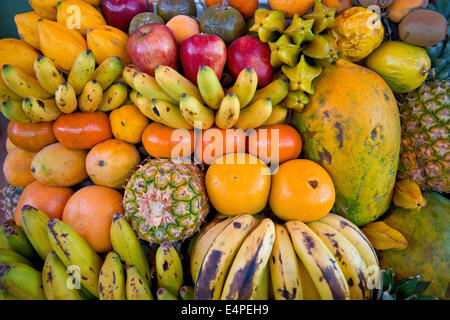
pixel 68 10
pixel 45 8
pixel 18 53
pixel 26 24
pixel 105 41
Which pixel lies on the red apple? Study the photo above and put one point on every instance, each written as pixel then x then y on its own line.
pixel 249 52
pixel 202 49
pixel 118 13
pixel 151 45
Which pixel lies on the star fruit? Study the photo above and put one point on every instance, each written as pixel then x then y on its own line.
pixel 283 52
pixel 300 30
pixel 302 75
pixel 268 23
pixel 323 17
pixel 296 100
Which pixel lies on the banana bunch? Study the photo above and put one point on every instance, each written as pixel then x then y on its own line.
pixel 246 257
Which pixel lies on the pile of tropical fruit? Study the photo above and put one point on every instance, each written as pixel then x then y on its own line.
pixel 226 150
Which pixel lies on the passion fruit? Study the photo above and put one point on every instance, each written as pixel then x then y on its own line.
pixel 423 28
pixel 168 9
pixel 144 18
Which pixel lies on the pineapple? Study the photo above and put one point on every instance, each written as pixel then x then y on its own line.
pixel 10 198
pixel 165 200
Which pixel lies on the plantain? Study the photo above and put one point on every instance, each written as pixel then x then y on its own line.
pixel 13 237
pixel 111 283
pixel 22 281
pixel 137 287
pixel 34 224
pixel 7 256
pixel 169 271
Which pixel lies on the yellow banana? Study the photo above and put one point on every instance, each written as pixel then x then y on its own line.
pixel 111 283
pixel 40 110
pixel 22 281
pixel 350 261
pixel 145 106
pixel 13 237
pixel 278 116
pixel 187 293
pixel 66 98
pixel 7 256
pixel 91 97
pixel 247 270
pixel 22 84
pixel 73 250
pixel 228 113
pixel 284 269
pixel 147 86
pixel 82 71
pixel 107 72
pixel 136 288
pixel 175 84
pixel 262 291
pixel 319 261
pixel 308 287
pixel 126 244
pixel 47 74
pixel 170 115
pixel 5 295
pixel 34 224
pixel 128 73
pixel 114 97
pixel 12 110
pixel 133 95
pixel 169 271
pixel 215 265
pixel 164 294
pixel 195 113
pixel 245 86
pixel 55 280
pixel 210 87
pixel 255 114
pixel 276 91
pixel 6 93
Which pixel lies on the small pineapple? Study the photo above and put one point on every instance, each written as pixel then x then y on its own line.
pixel 10 198
pixel 165 200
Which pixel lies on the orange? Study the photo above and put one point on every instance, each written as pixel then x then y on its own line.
pixel 128 123
pixel 89 212
pixel 292 7
pixel 183 27
pixel 16 167
pixel 301 190
pixel 341 5
pixel 246 7
pixel 238 183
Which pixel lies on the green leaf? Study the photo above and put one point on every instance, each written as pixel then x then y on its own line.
pixel 405 287
pixel 388 280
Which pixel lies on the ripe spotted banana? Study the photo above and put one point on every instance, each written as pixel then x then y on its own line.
pixel 22 83
pixel 73 250
pixel 111 283
pixel 284 269
pixel 147 86
pixel 278 116
pixel 262 291
pixel 66 98
pixel 13 237
pixel 145 107
pixel 137 287
pixel 169 271
pixel 22 281
pixel 245 86
pixel 175 84
pixel 255 114
pixel 91 97
pixel 47 74
pixel 128 73
pixel 249 265
pixel 13 111
pixel 126 244
pixel 308 287
pixel 107 72
pixel 319 261
pixel 228 113
pixel 82 71
pixel 164 294
pixel 55 280
pixel 210 87
pixel 7 256
pixel 113 97
pixel 170 115
pixel 198 115
pixel 215 265
pixel 187 293
pixel 34 224
pixel 6 93
pixel 40 110
pixel 276 91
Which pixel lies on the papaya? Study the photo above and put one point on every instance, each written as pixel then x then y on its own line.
pixel 18 53
pixel 89 16
pixel 105 41
pixel 44 8
pixel 351 127
pixel 427 231
pixel 26 24
pixel 55 38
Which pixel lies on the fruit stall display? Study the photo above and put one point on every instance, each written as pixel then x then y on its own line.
pixel 235 150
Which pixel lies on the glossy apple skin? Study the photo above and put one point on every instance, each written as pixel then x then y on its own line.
pixel 202 49
pixel 249 51
pixel 151 45
pixel 118 13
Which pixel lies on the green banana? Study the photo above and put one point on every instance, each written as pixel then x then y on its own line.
pixel 40 110
pixel 55 280
pixel 169 270
pixel 210 87
pixel 133 95
pixel 170 115
pixel 127 246
pixel 47 74
pixel 245 86
pixel 196 113
pixel 187 293
pixel 82 71
pixel 145 106
pixel 175 84
pixel 149 88
pixel 12 110
pixel 113 97
pixel 13 237
pixel 91 97
pixel 22 83
pixel 34 224
pixel 228 113
pixel 128 73
pixel 5 295
pixel 22 281
pixel 6 93
pixel 255 114
pixel 66 98
pixel 111 283
pixel 137 288
pixel 164 294
pixel 107 72
pixel 277 90
pixel 7 256
pixel 73 250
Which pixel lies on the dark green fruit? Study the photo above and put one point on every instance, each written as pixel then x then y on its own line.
pixel 423 28
pixel 223 21
pixel 168 9
pixel 144 18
